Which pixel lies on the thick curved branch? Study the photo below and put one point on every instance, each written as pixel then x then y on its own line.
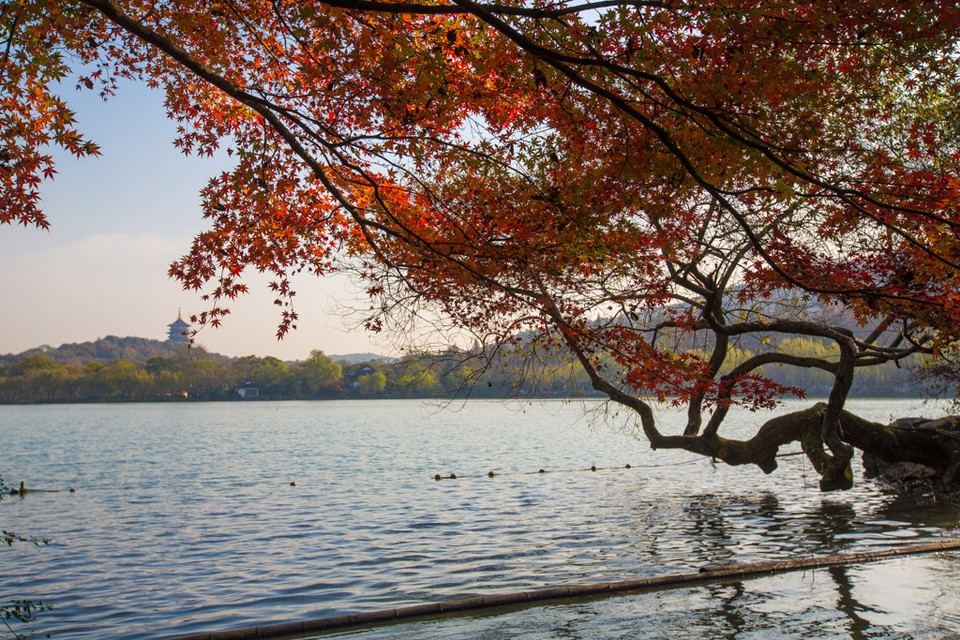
pixel 537 13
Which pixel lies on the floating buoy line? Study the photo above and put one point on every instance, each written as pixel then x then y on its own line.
pixel 24 490
pixel 706 574
pixel 495 474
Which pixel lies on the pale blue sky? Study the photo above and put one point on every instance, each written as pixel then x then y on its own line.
pixel 117 222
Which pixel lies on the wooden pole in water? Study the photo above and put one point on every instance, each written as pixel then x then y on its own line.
pixel 709 573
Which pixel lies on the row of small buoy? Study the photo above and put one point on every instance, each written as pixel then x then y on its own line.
pixel 23 490
pixel 493 474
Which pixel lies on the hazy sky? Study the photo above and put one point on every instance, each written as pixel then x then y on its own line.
pixel 117 222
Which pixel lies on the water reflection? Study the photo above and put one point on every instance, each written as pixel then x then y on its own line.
pixel 920 511
pixel 728 528
pixel 829 603
pixel 848 604
pixel 730 611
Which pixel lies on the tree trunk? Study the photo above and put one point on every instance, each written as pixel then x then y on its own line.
pixel 932 443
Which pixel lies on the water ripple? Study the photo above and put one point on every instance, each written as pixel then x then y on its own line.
pixel 185 520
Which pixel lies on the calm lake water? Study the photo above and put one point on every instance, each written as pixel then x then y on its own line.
pixel 184 521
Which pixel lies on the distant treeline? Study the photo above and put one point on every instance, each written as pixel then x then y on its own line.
pixel 192 376
pixel 195 375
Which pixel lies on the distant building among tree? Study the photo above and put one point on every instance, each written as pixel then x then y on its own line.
pixel 179 330
pixel 352 376
pixel 248 390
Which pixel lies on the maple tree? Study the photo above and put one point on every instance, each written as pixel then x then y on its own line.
pixel 613 178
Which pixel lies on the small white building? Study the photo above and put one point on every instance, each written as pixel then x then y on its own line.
pixel 248 390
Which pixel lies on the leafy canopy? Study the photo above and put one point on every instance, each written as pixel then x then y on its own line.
pixel 605 175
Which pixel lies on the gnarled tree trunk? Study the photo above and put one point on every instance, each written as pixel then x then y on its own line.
pixel 933 443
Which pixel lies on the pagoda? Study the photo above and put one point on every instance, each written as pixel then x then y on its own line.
pixel 179 330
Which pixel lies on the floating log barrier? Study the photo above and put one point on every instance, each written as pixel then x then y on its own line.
pixel 708 573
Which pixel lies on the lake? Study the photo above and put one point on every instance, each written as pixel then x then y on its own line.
pixel 185 521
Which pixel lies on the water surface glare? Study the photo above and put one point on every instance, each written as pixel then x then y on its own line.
pixel 185 521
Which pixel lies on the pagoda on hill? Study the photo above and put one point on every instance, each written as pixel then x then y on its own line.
pixel 179 330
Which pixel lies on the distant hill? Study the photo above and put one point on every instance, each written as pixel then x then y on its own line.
pixel 135 350
pixel 356 358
